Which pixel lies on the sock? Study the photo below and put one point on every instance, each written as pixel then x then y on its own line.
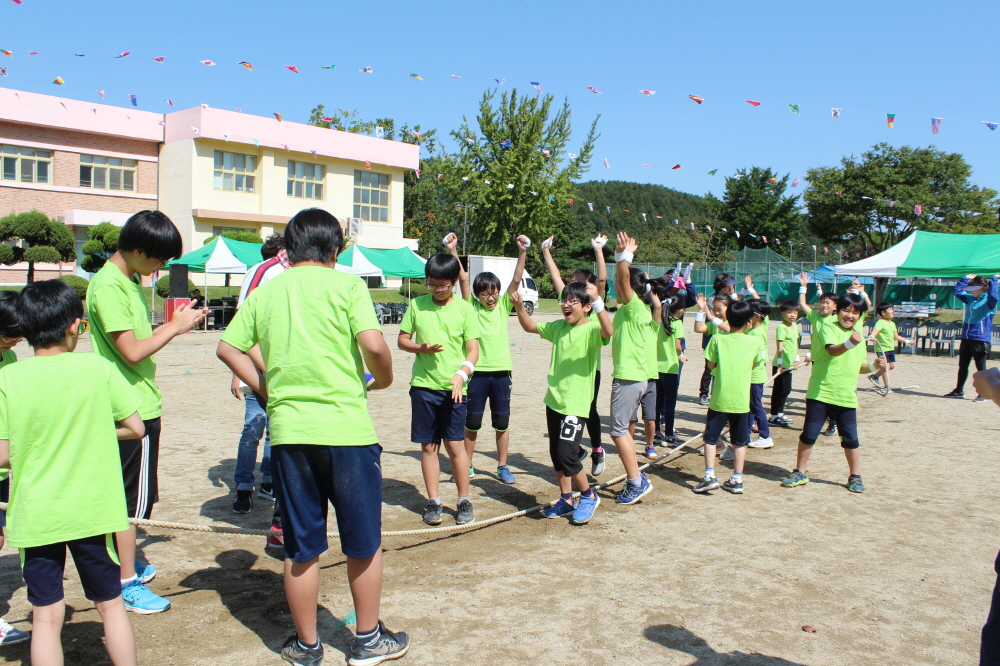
pixel 709 472
pixel 463 498
pixel 589 492
pixel 566 497
pixel 126 581
pixel 305 645
pixel 635 483
pixel 435 500
pixel 368 637
pixel 737 477
pixel 598 449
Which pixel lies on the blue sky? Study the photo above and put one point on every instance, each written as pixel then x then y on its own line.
pixel 916 59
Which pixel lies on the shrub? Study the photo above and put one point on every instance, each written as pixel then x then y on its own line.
pixel 163 287
pixel 78 283
pixel 415 289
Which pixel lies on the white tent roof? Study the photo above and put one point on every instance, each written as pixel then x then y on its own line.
pixel 360 266
pixel 222 260
pixel 883 264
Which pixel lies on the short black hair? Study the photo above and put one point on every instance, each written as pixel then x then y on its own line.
pixel 485 281
pixel 10 326
pixel 761 306
pixel 851 301
pixel 272 246
pixel 151 232
pixel 979 281
pixel 725 298
pixel 45 309
pixel 738 314
pixel 577 290
pixel 313 235
pixel 442 266
pixel 721 281
pixel 829 296
pixel 588 275
pixel 789 306
pixel 882 307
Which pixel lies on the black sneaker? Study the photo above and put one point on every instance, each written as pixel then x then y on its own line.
pixel 955 394
pixel 831 429
pixel 266 491
pixel 432 514
pixel 243 502
pixel 294 652
pixel 779 420
pixel 465 514
pixel 706 484
pixel 386 646
pixel 735 487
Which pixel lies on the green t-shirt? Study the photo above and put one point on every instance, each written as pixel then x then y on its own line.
pixel 790 336
pixel 734 355
pixel 885 335
pixel 449 326
pixel 306 322
pixel 628 344
pixel 59 413
pixel 759 375
pixel 666 348
pixel 652 354
pixel 494 341
pixel 834 380
pixel 576 356
pixel 115 303
pixel 817 329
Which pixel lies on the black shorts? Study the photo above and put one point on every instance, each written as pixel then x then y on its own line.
pixel 140 458
pixel 890 357
pixel 817 414
pixel 565 435
pixel 739 427
pixel 96 560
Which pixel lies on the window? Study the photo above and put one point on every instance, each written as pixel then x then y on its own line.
pixel 371 196
pixel 305 181
pixel 234 172
pixel 107 173
pixel 26 165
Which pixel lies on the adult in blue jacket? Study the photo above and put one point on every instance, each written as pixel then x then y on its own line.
pixel 980 298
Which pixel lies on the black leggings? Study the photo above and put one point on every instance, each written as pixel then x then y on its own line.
pixel 779 390
pixel 594 421
pixel 705 389
pixel 970 350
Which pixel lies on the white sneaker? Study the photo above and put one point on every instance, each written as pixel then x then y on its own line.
pixel 761 443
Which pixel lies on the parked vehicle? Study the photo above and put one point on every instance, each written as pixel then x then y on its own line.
pixel 503 268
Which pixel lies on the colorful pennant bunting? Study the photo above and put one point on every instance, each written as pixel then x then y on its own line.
pixel 696 98
pixel 935 125
pixel 890 119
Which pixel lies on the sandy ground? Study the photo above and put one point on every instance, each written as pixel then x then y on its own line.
pixel 901 574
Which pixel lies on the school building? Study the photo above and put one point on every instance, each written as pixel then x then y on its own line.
pixel 209 169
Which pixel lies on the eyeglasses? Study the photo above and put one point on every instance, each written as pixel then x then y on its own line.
pixel 571 302
pixel 439 287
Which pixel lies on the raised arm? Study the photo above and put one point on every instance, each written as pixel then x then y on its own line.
pixel 701 315
pixel 523 318
pixel 557 281
pixel 523 243
pixel 624 254
pixel 597 305
pixel 451 242
pixel 991 297
pixel 803 286
pixel 860 288
pixel 837 350
pixel 657 310
pixel 748 286
pixel 602 268
pixel 960 292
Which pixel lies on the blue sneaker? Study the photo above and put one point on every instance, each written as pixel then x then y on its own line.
pixel 630 494
pixel 559 509
pixel 585 508
pixel 140 599
pixel 144 572
pixel 505 475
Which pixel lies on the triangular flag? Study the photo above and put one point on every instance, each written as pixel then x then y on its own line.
pixel 537 86
pixel 713 172
pixel 207 63
pixel 918 209
pixel 752 102
pixel 590 206
pixel 692 226
pixel 368 164
pixel 101 93
pixel 416 76
pixel 245 64
pixel 795 183
pixel 696 98
pixel 122 55
pixel 278 116
pixel 291 68
pixel 765 238
pixel 440 176
pixel 58 81
pixel 675 167
pixel 594 90
pixel 608 166
pixel 169 101
pixel 643 217
pixel 737 233
pixel 158 59
pixel 992 126
pixel 647 93
pixel 647 166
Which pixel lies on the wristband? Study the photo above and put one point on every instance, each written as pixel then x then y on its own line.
pixel 546 244
pixel 803 290
pixel 849 344
pixel 699 316
pixel 472 367
pixel 601 241
pixel 597 306
pixel 649 287
pixel 798 358
pixel 780 362
pixel 461 373
pixel 625 256
pixel 717 322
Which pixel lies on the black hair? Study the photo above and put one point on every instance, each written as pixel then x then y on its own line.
pixel 588 275
pixel 153 233
pixel 721 281
pixel 829 295
pixel 851 301
pixel 660 287
pixel 738 314
pixel 313 235
pixel 761 306
pixel 638 280
pixel 45 309
pixel 726 298
pixel 671 304
pixel 882 307
pixel 443 266
pixel 979 281
pixel 577 290
pixel 9 325
pixel 272 246
pixel 485 281
pixel 789 306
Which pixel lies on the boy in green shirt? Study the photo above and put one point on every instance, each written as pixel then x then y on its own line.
pixel 786 360
pixel 315 325
pixel 121 332
pixel 58 433
pixel 732 358
pixel 443 361
pixel 885 337
pixel 492 379
pixel 576 354
pixel 817 317
pixel 649 397
pixel 761 312
pixel 833 390
pixel 669 359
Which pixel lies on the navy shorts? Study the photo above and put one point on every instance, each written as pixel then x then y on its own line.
pixel 96 560
pixel 435 416
pixel 817 414
pixel 491 385
pixel 308 478
pixel 890 357
pixel 739 427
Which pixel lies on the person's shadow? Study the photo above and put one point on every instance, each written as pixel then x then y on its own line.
pixel 256 598
pixel 682 640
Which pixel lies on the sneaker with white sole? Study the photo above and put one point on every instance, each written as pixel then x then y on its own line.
pixel 432 513
pixel 465 514
pixel 585 508
pixel 779 420
pixel 505 475
pixel 294 652
pixel 559 509
pixel 728 455
pixel 140 599
pixel 651 452
pixel 386 646
pixel 831 429
pixel 144 572
pixel 706 484
pixel 631 494
pixel 243 502
pixel 874 380
pixel 12 635
pixel 761 443
pixel 266 491
pixel 735 487
pixel 597 463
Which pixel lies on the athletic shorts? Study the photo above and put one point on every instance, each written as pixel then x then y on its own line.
pixel 817 414
pixel 308 478
pixel 96 560
pixel 140 458
pixel 492 385
pixel 648 403
pixel 890 357
pixel 565 435
pixel 625 399
pixel 435 416
pixel 739 427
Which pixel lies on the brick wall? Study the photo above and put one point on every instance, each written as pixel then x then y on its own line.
pixel 13 131
pixel 16 200
pixel 18 274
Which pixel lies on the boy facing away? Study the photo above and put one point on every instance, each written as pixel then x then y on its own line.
pixel 786 338
pixel 731 359
pixel 885 336
pixel 61 416
pixel 443 360
pixel 314 325
pixel 121 332
pixel 761 312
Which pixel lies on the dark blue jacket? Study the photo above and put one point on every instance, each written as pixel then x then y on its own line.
pixel 979 311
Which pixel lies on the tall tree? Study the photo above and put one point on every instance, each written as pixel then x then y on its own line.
pixel 754 203
pixel 871 201
pixel 43 240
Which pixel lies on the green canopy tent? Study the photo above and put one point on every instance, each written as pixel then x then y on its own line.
pixel 931 255
pixel 222 255
pixel 366 261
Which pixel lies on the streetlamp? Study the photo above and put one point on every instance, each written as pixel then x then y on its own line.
pixel 465 225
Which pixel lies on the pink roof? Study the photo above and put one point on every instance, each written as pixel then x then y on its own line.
pixel 44 110
pixel 244 128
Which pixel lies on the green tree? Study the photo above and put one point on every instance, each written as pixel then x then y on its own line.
pixel 241 236
pixel 102 242
pixel 46 241
pixel 162 287
pixel 78 284
pixel 754 203
pixel 520 141
pixel 869 202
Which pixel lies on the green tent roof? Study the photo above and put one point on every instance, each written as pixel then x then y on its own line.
pixel 222 255
pixel 393 263
pixel 927 254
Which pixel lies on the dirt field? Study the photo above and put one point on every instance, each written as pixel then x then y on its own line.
pixel 901 574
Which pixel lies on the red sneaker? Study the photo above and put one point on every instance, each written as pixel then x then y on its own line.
pixel 275 540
